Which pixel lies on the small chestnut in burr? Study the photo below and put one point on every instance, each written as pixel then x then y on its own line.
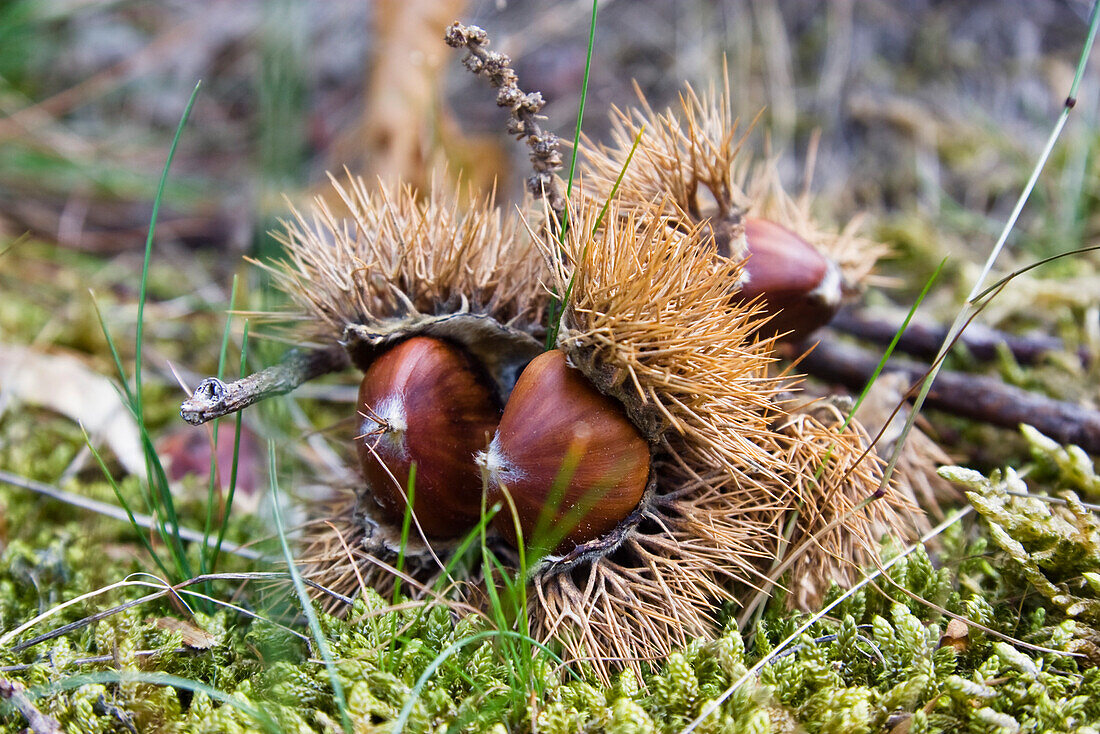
pixel 800 288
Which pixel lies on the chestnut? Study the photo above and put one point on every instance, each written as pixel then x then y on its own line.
pixel 799 287
pixel 574 464
pixel 426 402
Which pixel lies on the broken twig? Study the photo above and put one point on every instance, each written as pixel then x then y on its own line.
pixel 497 67
pixel 977 397
pixel 37 722
pixel 923 340
pixel 214 398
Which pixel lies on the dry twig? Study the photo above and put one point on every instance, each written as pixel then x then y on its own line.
pixel 923 340
pixel 977 397
pixel 214 398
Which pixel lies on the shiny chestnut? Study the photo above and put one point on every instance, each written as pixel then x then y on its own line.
pixel 425 402
pixel 800 288
pixel 573 463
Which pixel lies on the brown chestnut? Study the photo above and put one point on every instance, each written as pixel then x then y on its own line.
pixel 425 401
pixel 800 288
pixel 567 454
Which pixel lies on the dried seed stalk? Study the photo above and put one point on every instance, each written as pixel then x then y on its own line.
pixel 524 108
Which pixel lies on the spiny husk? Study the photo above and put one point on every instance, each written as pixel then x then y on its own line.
pixel 344 549
pixel 832 526
pixel 702 542
pixel 649 321
pixel 708 539
pixel 740 484
pixel 695 156
pixel 399 256
pixel 739 481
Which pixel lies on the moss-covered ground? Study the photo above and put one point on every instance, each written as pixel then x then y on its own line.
pixel 930 119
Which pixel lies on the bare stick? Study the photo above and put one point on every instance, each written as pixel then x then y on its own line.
pixel 214 398
pixel 96 659
pixel 977 397
pixel 106 508
pixel 497 68
pixel 923 340
pixel 37 722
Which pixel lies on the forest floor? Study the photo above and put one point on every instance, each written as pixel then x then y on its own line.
pixel 924 120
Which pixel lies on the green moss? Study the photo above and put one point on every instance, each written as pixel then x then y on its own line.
pixel 1030 571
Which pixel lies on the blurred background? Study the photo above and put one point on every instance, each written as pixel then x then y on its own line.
pixel 934 108
pixel 930 116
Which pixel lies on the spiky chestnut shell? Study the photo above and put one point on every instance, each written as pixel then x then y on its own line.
pixel 800 287
pixel 426 401
pixel 564 449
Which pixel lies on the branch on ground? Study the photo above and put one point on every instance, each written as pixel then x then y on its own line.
pixel 924 340
pixel 977 397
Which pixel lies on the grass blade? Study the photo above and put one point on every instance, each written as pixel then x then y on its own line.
pixel 236 458
pixel 893 344
pixel 303 597
pixel 557 306
pixel 143 293
pixel 204 555
pixel 584 97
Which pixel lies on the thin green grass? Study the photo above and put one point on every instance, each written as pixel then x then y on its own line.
pixel 893 344
pixel 156 492
pixel 212 487
pixel 232 490
pixel 557 306
pixel 406 525
pixel 303 598
pixel 584 97
pixel 126 505
pixel 508 608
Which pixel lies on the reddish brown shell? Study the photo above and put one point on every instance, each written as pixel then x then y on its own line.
pixel 800 287
pixel 564 449
pixel 424 401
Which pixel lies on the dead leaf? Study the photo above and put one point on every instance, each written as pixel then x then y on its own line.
pixel 191 635
pixel 956 636
pixel 65 385
pixel 186 450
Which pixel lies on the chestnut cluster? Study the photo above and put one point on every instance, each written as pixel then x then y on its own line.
pixel 564 460
pixel 564 455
